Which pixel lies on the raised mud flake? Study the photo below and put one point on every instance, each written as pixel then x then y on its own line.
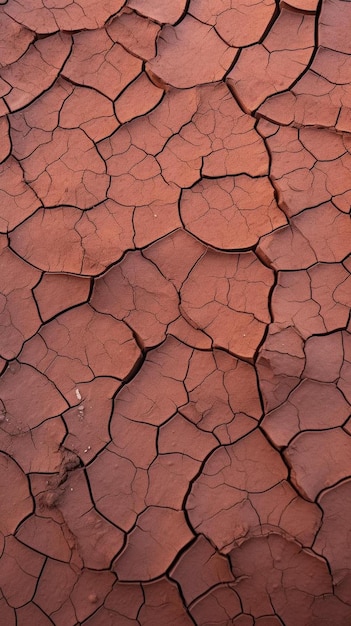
pixel 79 345
pixel 135 33
pixel 311 472
pixel 140 97
pixel 153 544
pixel 36 70
pixel 231 213
pixel 226 295
pixel 136 292
pixel 48 17
pixel 67 170
pixel 158 10
pixel 109 70
pixel 274 64
pixel 205 56
pixel 239 23
pixel 15 499
pixel 257 498
pixel 73 239
pixel 276 573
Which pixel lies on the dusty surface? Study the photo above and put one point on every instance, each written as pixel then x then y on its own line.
pixel 175 292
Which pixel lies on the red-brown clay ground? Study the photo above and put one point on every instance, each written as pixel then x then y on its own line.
pixel 175 291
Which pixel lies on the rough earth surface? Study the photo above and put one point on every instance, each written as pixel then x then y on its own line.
pixel 175 293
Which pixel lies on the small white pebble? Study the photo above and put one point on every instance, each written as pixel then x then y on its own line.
pixel 79 397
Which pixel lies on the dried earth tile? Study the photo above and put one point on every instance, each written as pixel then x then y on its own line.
pixel 57 292
pixel 96 539
pixel 313 301
pixel 219 603
pixel 199 568
pixel 320 234
pixel 310 406
pixel 19 317
pixel 88 421
pixel 274 64
pixel 79 345
pixel 140 97
pixel 67 170
pixel 310 471
pixel 118 487
pixel 226 295
pixel 46 536
pixel 35 71
pixel 73 238
pixel 135 33
pixel 231 213
pixel 239 23
pixel 156 9
pixel 205 56
pixel 16 502
pixel 163 604
pixel 136 292
pixel 18 200
pixel 36 449
pixel 15 39
pixel 89 110
pixel 20 567
pixel 279 365
pixel 335 503
pixel 159 534
pixel 306 594
pixel 109 70
pixel 48 17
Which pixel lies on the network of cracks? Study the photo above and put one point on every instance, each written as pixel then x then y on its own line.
pixel 175 292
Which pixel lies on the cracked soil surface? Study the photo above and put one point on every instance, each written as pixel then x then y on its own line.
pixel 175 293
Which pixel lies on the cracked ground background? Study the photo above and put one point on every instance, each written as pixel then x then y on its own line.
pixel 175 296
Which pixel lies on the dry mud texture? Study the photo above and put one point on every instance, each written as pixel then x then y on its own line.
pixel 175 294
